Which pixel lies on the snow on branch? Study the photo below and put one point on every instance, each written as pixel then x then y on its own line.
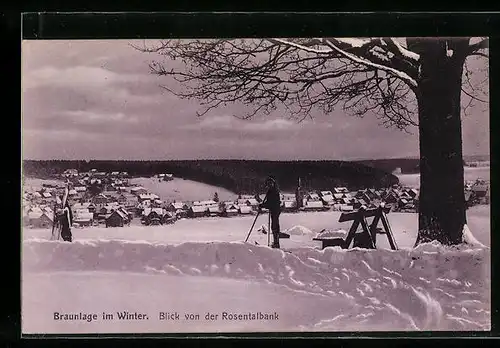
pixel 406 53
pixel 400 74
pixel 300 46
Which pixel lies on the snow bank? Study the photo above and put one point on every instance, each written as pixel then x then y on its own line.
pixel 332 234
pixel 430 287
pixel 299 231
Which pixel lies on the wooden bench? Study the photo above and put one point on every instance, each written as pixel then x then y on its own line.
pixel 367 238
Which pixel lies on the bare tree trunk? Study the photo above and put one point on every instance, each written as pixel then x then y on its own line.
pixel 442 203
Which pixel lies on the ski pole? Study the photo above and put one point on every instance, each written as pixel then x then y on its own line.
pixel 269 229
pixel 251 228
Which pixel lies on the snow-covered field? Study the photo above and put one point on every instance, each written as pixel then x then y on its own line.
pixel 202 266
pixel 470 174
pixel 183 190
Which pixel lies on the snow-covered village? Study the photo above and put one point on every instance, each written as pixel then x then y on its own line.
pixel 160 214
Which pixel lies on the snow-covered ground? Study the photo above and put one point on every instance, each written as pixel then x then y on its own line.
pixel 202 266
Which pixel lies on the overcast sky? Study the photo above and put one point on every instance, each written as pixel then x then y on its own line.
pixel 97 100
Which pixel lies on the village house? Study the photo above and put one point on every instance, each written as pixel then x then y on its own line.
pixel 122 199
pixel 214 210
pixel 480 193
pixel 346 207
pixel 152 216
pixel 363 195
pixel 391 198
pixel 289 206
pixel 166 177
pixel 138 190
pixel 313 205
pixel 83 218
pixel 40 219
pixel 177 206
pixel 340 190
pixel 312 196
pixel 230 209
pixel 327 198
pixel 168 218
pixel 80 188
pixel 196 211
pixel 373 194
pixel 205 203
pixel 116 219
pixel 288 197
pixel 253 203
pixel 100 199
pixel 241 201
pixel 245 209
pixel 147 197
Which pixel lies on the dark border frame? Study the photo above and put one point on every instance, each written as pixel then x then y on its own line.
pixel 135 25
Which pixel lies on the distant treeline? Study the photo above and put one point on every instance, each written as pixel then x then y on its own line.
pixel 240 176
pixel 411 165
pixel 407 165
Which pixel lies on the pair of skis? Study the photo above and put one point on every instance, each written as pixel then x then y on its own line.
pixel 267 232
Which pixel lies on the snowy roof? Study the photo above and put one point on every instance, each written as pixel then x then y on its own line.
pixel 158 211
pixel 83 216
pixel 245 209
pixel 288 197
pixel 214 209
pixel 177 205
pixel 198 208
pixel 46 195
pixel 231 207
pixel 252 201
pixel 119 213
pixel 209 202
pixel 313 195
pixel 80 188
pixel 72 192
pixel 146 196
pixel 327 198
pixel 314 204
pixel 326 193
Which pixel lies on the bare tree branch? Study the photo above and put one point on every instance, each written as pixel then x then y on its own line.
pixel 400 74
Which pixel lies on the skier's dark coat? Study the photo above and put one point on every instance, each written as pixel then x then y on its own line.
pixel 65 224
pixel 272 201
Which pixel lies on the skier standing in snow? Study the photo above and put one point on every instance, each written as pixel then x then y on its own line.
pixel 65 218
pixel 273 203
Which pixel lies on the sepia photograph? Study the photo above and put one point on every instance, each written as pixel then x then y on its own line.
pixel 255 185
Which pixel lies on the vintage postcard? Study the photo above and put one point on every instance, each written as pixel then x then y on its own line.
pixel 255 185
